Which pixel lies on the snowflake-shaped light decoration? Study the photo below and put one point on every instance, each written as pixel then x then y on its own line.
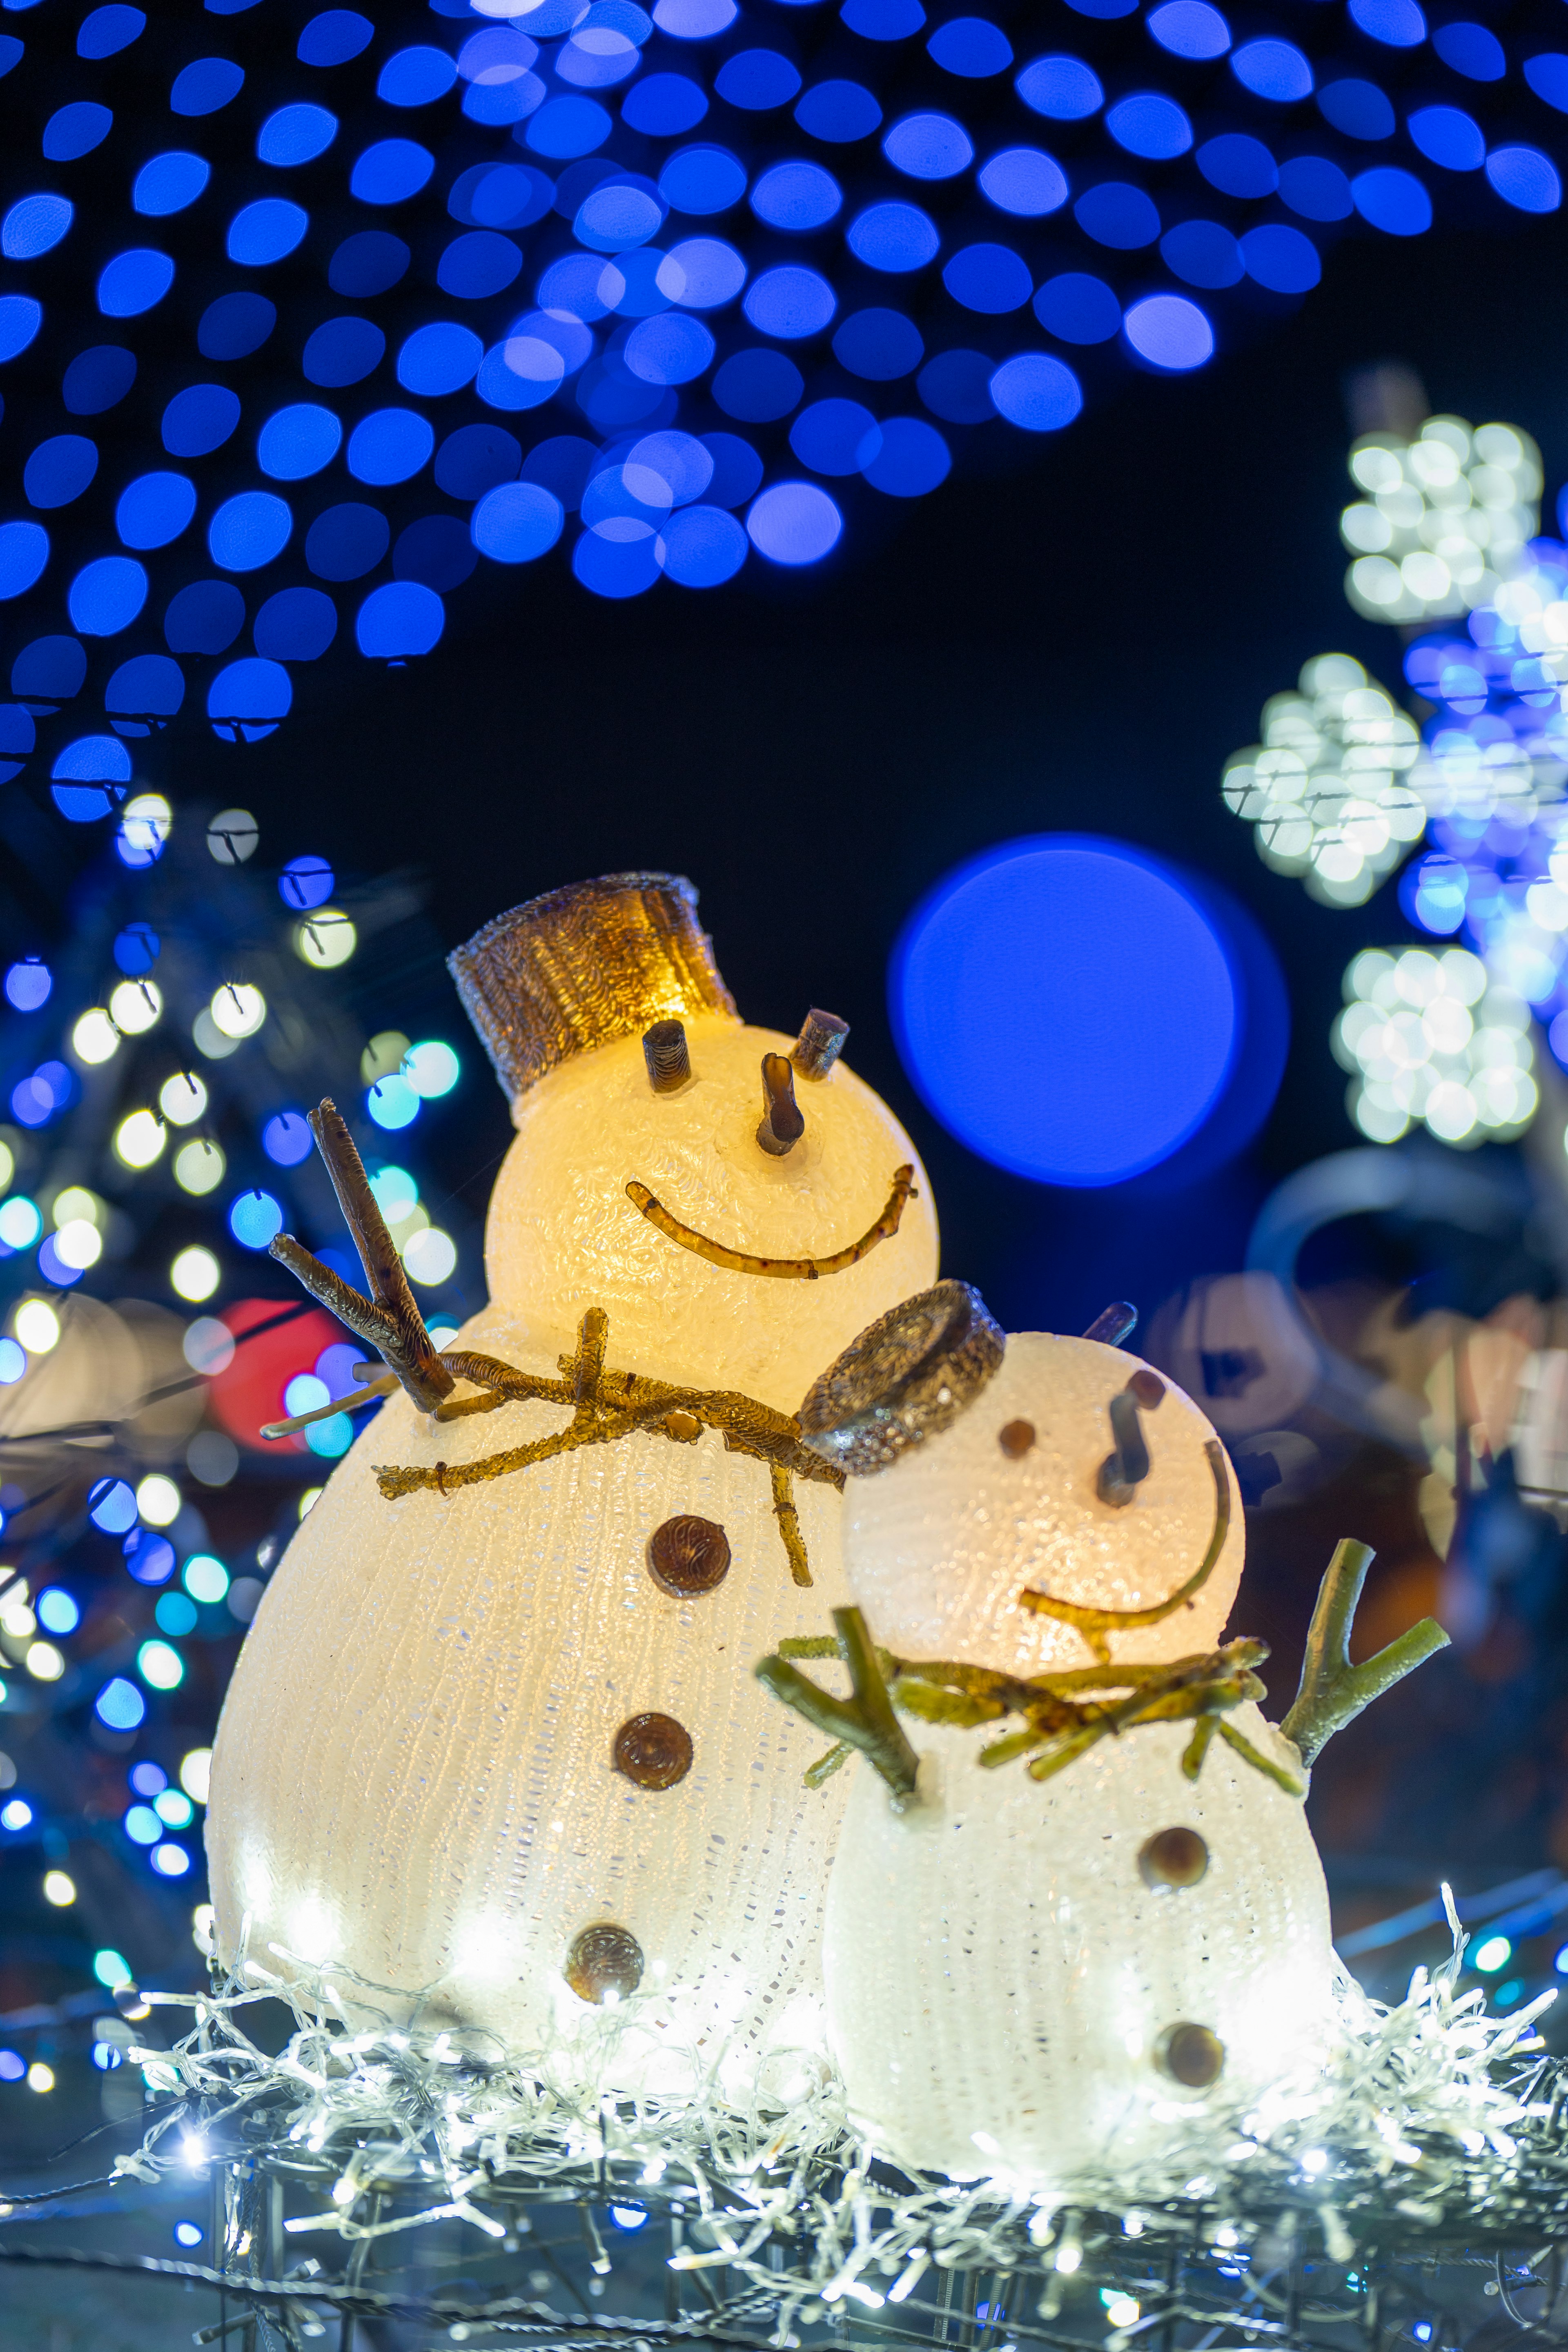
pixel 1334 793
pixel 1444 519
pixel 1435 1039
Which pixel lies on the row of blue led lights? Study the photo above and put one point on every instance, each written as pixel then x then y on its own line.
pixel 1168 332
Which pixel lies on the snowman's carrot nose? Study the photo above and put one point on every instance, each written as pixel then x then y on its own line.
pixel 1127 1465
pixel 782 1124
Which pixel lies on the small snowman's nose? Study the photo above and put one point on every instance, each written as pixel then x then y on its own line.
pixel 1127 1465
pixel 782 1124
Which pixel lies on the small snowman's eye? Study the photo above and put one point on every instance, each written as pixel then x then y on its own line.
pixel 604 1959
pixel 1190 2055
pixel 1172 1858
pixel 819 1045
pixel 668 1055
pixel 782 1124
pixel 1016 1438
pixel 1148 1389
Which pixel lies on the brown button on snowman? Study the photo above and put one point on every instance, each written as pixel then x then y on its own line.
pixel 493 1741
pixel 1079 1911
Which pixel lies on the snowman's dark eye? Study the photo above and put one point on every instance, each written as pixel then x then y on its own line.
pixel 604 1958
pixel 668 1055
pixel 1015 1438
pixel 820 1043
pixel 1190 2055
pixel 782 1124
pixel 1177 1857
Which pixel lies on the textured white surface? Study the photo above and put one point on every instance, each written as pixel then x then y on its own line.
pixel 562 1236
pixel 939 1546
pixel 996 1963
pixel 412 1774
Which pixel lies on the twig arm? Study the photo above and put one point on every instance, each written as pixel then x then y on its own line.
pixel 1332 1691
pixel 866 1720
pixel 389 1321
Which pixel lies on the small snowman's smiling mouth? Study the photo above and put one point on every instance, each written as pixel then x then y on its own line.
pixel 781 1269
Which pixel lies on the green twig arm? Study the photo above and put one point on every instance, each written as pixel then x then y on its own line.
pixel 866 1720
pixel 1332 1691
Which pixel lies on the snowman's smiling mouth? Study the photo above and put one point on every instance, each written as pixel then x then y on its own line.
pixel 781 1269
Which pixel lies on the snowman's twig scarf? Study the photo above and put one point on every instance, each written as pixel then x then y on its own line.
pixel 1061 1721
pixel 606 1405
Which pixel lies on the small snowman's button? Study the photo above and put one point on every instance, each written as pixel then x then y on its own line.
pixel 687 1556
pixel 654 1751
pixel 1172 1858
pixel 604 1960
pixel 1190 2055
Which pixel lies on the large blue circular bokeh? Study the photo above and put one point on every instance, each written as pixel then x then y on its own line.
pixel 1068 1007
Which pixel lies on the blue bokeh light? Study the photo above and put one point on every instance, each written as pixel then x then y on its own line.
pixel 201 420
pixel 757 80
pixel 120 1704
pixel 929 147
pixel 296 624
pixel 247 700
pixel 250 530
pixel 1149 125
pixel 1117 215
pixel 235 326
pixel 794 523
pixel 134 282
pixel 152 510
pixel 347 541
pixel 169 183
pixel 1190 28
pixel 971 47
pixel 106 595
pixel 1171 333
pixel 1238 165
pixel 254 1218
pixel 60 471
pixel 296 134
pixel 205 86
pixel 1359 108
pixel 1024 181
pixel 1273 69
pixel 390 446
pixel 1062 87
pixel 204 617
pixel 1067 1009
pixel 1472 51
pixel 1391 200
pixel 334 36
pixel 35 226
pixel 1037 393
pixel 97 379
pixel 76 130
pixel 23 552
pixel 839 112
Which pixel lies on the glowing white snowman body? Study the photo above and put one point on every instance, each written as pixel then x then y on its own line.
pixel 422 1769
pixel 1006 1988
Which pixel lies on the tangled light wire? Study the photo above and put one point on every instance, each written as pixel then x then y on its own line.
pixel 1429 2119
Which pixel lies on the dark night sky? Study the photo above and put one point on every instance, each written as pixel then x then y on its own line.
pixel 1073 633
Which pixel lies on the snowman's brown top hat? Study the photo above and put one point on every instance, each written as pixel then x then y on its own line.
pixel 583 965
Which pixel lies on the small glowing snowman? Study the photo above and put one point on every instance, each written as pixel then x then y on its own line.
pixel 1054 1977
pixel 497 1745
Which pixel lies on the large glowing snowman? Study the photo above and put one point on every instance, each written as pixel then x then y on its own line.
pixel 1063 1976
pixel 497 1745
